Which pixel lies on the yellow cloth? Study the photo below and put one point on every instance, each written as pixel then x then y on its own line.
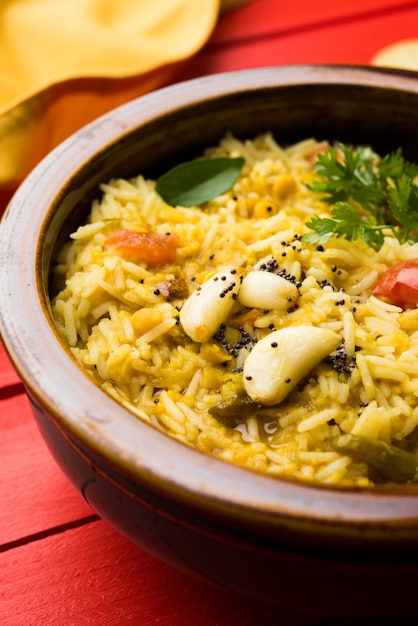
pixel 64 62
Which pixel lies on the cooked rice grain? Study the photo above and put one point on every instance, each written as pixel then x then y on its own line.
pixel 127 334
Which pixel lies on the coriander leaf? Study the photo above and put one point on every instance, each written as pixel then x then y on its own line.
pixel 323 227
pixel 403 203
pixel 352 226
pixel 194 182
pixel 370 195
pixel 344 173
pixel 344 222
pixel 393 165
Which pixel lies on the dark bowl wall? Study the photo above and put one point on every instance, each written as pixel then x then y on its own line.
pixel 293 571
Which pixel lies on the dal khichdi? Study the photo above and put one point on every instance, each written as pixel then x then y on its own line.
pixel 232 330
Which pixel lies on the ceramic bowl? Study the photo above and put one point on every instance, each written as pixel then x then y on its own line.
pixel 317 549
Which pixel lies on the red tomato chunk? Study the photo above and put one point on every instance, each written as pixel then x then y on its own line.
pixel 399 284
pixel 151 248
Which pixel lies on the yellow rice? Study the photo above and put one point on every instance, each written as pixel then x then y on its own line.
pixel 127 335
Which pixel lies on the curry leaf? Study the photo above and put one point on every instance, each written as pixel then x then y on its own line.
pixel 345 222
pixel 194 182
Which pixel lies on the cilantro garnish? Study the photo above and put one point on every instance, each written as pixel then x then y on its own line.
pixel 345 222
pixel 369 195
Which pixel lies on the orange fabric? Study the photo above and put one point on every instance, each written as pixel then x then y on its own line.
pixel 66 107
pixel 44 42
pixel 65 62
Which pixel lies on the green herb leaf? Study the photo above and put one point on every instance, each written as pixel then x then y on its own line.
pixel 403 203
pixel 194 182
pixel 344 222
pixel 344 173
pixel 370 195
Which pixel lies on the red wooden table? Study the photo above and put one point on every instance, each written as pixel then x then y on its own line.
pixel 60 564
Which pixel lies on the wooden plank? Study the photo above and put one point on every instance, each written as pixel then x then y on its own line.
pixel 342 43
pixel 8 375
pixel 92 575
pixel 34 493
pixel 261 17
pixel 5 196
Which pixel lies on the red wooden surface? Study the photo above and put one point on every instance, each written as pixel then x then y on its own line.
pixel 59 563
pixel 288 32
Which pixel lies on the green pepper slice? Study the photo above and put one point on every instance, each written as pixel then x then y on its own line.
pixel 235 409
pixel 392 463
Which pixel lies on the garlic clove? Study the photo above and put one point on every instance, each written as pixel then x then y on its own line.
pixel 280 360
pixel 209 305
pixel 265 290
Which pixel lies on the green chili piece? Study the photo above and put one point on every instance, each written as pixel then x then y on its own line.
pixel 235 409
pixel 390 462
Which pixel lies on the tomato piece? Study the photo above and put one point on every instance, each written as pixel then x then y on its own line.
pixel 152 248
pixel 399 284
pixel 319 149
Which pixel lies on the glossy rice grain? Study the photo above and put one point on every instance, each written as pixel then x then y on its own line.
pixel 121 318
